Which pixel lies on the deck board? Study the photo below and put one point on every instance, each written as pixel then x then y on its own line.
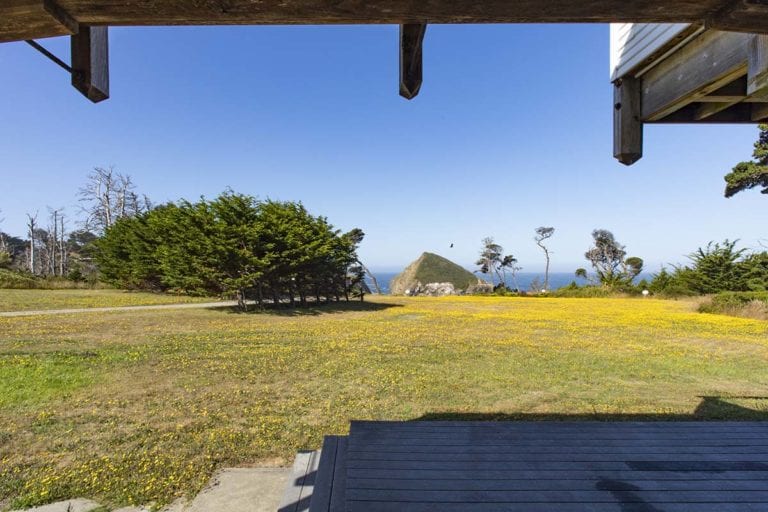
pixel 324 479
pixel 557 466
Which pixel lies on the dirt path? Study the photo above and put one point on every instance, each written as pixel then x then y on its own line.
pixel 220 304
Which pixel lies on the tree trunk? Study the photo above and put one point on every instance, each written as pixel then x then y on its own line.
pixel 514 281
pixel 61 247
pixel 372 277
pixel 241 303
pixel 32 224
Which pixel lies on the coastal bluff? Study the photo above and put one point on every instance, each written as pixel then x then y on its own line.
pixel 431 274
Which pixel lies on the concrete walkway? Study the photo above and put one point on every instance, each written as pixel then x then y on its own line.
pixel 198 305
pixel 243 490
pixel 230 490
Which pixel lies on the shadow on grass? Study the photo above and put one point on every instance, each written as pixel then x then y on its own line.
pixel 711 408
pixel 312 309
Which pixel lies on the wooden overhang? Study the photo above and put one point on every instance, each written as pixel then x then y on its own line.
pixel 719 77
pixel 34 19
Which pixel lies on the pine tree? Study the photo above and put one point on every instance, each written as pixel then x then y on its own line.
pixel 751 174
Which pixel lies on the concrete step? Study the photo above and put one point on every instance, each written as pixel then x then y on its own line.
pixel 301 482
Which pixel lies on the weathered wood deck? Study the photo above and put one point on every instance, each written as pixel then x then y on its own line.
pixel 544 467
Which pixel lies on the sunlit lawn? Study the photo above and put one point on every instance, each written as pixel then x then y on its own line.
pixel 27 300
pixel 135 407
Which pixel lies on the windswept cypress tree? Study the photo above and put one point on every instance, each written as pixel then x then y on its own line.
pixel 233 245
pixel 751 174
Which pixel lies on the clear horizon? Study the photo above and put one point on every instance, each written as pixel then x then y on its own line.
pixel 511 131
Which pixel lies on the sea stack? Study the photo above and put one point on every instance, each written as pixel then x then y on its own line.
pixel 432 275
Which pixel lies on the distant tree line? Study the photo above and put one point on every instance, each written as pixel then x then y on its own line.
pixel 50 250
pixel 497 265
pixel 59 246
pixel 234 245
pixel 269 251
pixel 613 269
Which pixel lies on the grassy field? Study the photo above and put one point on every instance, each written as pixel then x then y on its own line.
pixel 26 300
pixel 134 407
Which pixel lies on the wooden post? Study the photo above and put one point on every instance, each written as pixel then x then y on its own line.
pixel 411 39
pixel 90 62
pixel 627 127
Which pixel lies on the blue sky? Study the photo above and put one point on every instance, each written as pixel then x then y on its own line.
pixel 512 130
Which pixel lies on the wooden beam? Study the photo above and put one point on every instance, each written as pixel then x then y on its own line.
pixel 741 16
pixel 732 92
pixel 757 66
pixel 627 127
pixel 740 113
pixel 144 12
pixel 62 16
pixel 753 87
pixel 90 62
pixel 411 42
pixel 28 19
pixel 757 77
pixel 705 110
pixel 32 19
pixel 759 112
pixel 703 66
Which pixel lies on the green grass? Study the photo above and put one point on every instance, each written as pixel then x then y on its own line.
pixel 27 300
pixel 143 406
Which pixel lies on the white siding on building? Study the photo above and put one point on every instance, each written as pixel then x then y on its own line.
pixel 633 43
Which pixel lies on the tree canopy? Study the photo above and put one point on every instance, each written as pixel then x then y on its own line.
pixel 753 173
pixel 609 259
pixel 234 244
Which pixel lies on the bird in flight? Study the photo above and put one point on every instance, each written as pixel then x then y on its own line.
pixel 451 246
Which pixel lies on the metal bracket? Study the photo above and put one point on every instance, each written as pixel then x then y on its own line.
pixel 37 46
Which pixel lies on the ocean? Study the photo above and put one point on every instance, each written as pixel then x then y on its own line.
pixel 524 280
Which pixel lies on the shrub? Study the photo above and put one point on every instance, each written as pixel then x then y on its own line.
pixel 717 267
pixel 729 299
pixel 588 291
pixel 18 280
pixel 5 259
pixel 10 279
pixel 746 304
